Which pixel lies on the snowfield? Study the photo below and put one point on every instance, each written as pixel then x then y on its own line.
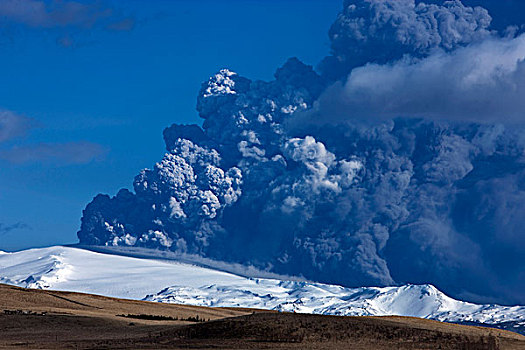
pixel 73 269
pixel 79 270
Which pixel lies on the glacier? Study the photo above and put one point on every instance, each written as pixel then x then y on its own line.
pixel 171 281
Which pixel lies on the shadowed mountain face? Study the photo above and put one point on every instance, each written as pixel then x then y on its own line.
pixel 399 160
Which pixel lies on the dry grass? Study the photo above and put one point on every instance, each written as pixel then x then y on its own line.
pixel 81 321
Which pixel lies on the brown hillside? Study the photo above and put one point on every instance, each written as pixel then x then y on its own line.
pixel 49 319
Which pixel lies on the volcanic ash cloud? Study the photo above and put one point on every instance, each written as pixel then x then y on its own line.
pixel 402 161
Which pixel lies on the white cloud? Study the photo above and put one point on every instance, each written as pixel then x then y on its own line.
pixel 54 153
pixel 56 13
pixel 484 82
pixel 12 125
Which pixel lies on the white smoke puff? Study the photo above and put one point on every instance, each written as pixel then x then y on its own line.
pixel 125 240
pixel 177 132
pixel 231 186
pixel 209 204
pixel 174 173
pixel 349 171
pixel 250 151
pixel 156 237
pixel 218 96
pixel 307 150
pixel 214 178
pixel 118 235
pixel 251 137
pixel 317 161
pixel 251 146
pixel 290 204
pixel 221 84
pixel 194 154
pixel 176 209
pixel 225 185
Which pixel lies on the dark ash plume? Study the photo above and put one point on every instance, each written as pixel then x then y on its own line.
pixel 340 184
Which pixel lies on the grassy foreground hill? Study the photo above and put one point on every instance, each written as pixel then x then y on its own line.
pixel 42 319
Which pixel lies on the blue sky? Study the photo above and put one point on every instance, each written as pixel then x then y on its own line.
pixel 107 83
pixel 87 87
pixel 96 87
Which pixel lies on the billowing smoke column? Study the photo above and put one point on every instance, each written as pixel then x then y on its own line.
pixel 380 31
pixel 300 176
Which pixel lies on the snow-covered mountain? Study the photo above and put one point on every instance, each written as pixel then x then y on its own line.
pixel 73 269
pixel 424 301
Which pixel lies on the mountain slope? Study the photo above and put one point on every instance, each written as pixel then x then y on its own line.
pixel 65 268
pixel 424 301
pixel 72 269
pixel 63 320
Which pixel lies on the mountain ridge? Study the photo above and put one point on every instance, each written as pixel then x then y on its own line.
pixel 74 269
